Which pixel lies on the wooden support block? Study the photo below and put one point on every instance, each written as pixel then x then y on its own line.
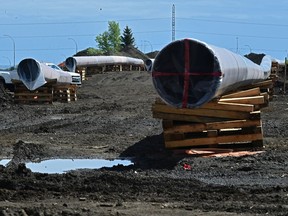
pixel 176 136
pixel 214 140
pixel 234 119
pixel 199 127
pixel 255 115
pixel 187 118
pixel 229 106
pixel 219 105
pixel 245 100
pixel 167 123
pixel 82 72
pixel 42 94
pixel 244 93
pixel 158 108
pixel 212 133
pixel 264 84
pixel 65 93
pixel 183 134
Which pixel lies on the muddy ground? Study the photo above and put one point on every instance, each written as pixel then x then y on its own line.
pixel 111 119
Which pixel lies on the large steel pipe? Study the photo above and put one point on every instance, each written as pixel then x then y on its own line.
pixel 35 74
pixel 72 62
pixel 149 64
pixel 189 73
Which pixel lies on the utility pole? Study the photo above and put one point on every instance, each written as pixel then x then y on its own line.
pixel 13 48
pixel 249 48
pixel 173 22
pixel 76 46
pixel 149 44
pixel 237 49
pixel 285 76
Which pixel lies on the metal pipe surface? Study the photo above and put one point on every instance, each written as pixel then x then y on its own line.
pixel 35 74
pixel 189 73
pixel 72 62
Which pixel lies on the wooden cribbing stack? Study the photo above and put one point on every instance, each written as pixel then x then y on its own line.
pixel 47 93
pixel 64 93
pixel 232 120
pixel 88 71
pixel 82 72
pixel 23 95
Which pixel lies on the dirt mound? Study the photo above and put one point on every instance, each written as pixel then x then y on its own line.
pixel 26 152
pixel 133 52
pixel 129 51
pixel 152 55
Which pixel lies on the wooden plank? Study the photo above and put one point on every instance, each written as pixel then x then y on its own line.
pixel 199 127
pixel 218 105
pixel 167 123
pixel 212 133
pixel 33 100
pixel 264 84
pixel 174 136
pixel 201 112
pixel 32 94
pixel 187 118
pixel 214 140
pixel 229 106
pixel 266 96
pixel 255 115
pixel 244 93
pixel 255 100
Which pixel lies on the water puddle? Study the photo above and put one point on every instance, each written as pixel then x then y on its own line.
pixel 4 162
pixel 60 166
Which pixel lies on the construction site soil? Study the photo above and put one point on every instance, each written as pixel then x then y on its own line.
pixel 112 119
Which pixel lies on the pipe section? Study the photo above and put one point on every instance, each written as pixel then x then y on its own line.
pixel 73 62
pixel 189 73
pixel 35 74
pixel 149 64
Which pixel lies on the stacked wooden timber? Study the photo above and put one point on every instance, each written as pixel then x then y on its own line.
pixel 275 67
pixel 232 120
pixel 23 95
pixel 107 68
pixel 65 93
pixel 82 72
pixel 48 93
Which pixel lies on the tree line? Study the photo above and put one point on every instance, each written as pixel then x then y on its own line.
pixel 111 41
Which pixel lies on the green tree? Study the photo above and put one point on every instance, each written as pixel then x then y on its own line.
pixel 103 42
pixel 93 52
pixel 110 41
pixel 89 52
pixel 127 38
pixel 114 35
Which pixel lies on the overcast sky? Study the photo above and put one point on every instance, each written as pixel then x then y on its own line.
pixel 51 30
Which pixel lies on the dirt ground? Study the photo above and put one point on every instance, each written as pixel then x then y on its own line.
pixel 112 118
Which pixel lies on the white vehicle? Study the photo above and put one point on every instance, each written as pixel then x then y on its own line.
pixel 6 78
pixel 76 78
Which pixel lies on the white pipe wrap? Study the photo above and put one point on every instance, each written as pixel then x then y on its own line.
pixel 189 73
pixel 35 74
pixel 86 61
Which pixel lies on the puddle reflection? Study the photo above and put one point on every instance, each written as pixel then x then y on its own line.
pixel 64 165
